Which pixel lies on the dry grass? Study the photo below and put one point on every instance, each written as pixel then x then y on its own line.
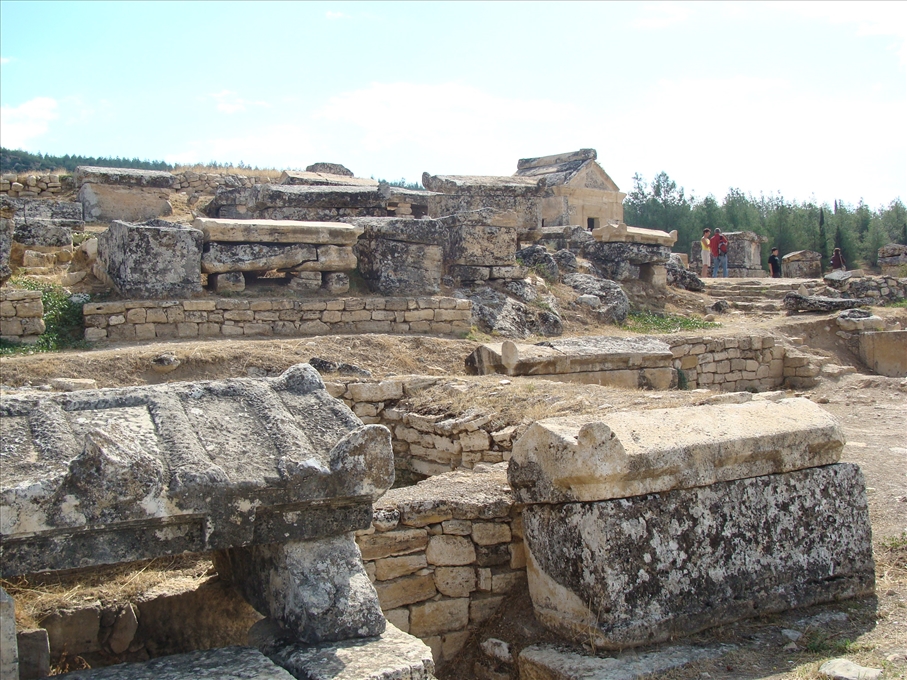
pixel 38 595
pixel 271 173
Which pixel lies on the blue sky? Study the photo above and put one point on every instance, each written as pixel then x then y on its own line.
pixel 805 99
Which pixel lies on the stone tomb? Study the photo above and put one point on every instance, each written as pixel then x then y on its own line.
pixel 661 523
pixel 315 255
pixel 124 193
pixel 620 362
pixel 272 473
pixel 802 264
pixel 893 260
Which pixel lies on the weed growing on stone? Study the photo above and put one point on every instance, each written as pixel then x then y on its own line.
pixel 652 322
pixel 63 320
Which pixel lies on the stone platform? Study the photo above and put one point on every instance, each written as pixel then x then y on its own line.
pixel 619 362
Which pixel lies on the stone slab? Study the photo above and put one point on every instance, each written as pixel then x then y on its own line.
pixel 646 569
pixel 795 302
pixel 593 458
pixel 569 355
pixel 391 656
pixel 614 233
pixel 9 649
pixel 132 177
pixel 278 231
pixel 543 662
pixel 885 352
pixel 220 258
pixel 105 476
pixel 227 663
pixel 104 202
pixel 297 178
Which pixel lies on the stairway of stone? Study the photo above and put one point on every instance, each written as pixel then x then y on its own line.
pixel 757 295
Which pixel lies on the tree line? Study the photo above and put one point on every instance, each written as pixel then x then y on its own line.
pixel 857 230
pixel 16 160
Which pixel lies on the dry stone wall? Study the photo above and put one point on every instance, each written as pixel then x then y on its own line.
pixel 443 554
pixel 21 313
pixel 34 185
pixel 143 320
pixel 730 363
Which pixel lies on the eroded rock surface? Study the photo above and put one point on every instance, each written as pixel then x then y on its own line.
pixel 818 303
pixel 640 570
pixel 615 305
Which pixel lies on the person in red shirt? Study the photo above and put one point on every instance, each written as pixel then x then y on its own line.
pixel 718 245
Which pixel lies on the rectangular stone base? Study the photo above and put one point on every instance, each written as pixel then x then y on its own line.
pixel 641 570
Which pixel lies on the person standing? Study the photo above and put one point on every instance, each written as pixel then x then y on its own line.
pixel 774 264
pixel 706 254
pixel 718 247
pixel 837 261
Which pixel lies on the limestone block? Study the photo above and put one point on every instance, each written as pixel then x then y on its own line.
pixel 695 558
pixel 885 352
pixel 483 608
pixel 393 654
pixel 278 231
pixel 386 390
pixel 227 663
pixel 250 257
pixel 592 458
pixel 380 545
pixel 133 473
pixel 819 303
pixel 455 581
pixel 543 662
pixel 336 283
pixel 405 590
pixel 436 617
pixel 102 203
pixel 490 533
pixel 802 264
pixel 73 631
pixel 330 259
pixel 34 654
pixel 481 246
pixel 153 260
pixel 394 567
pixel 9 648
pixel 444 550
pixel 131 177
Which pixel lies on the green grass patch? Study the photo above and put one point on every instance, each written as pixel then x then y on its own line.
pixel 63 321
pixel 653 322
pixel 898 303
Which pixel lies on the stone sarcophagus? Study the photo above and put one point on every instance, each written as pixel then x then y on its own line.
pixel 660 523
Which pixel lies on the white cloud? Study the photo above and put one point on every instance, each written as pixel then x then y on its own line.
pixel 334 16
pixel 659 15
pixel 22 124
pixel 4 60
pixel 229 102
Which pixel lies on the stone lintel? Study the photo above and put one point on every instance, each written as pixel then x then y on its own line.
pixel 592 458
pixel 278 231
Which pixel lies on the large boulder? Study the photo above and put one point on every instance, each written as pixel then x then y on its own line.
pixel 155 259
pixel 498 314
pixel 615 305
pixel 539 259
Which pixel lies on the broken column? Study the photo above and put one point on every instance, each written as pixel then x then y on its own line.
pixel 656 524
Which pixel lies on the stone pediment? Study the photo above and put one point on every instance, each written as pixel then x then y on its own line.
pixel 117 475
pixel 621 233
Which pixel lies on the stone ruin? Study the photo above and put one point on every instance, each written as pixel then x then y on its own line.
pixel 744 255
pixel 802 264
pixel 272 474
pixel 633 538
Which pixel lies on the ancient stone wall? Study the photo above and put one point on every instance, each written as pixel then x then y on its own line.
pixel 21 313
pixel 425 445
pixel 143 320
pixel 443 554
pixel 880 288
pixel 34 185
pixel 730 363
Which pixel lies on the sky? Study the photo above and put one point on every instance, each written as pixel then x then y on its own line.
pixel 806 100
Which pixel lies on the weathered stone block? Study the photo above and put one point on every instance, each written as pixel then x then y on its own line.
pixel 446 550
pixel 394 567
pixel 250 257
pixel 441 616
pixel 405 590
pixel 641 570
pixel 380 545
pixel 153 260
pixel 490 533
pixel 9 649
pixel 588 459
pixel 164 469
pixel 455 581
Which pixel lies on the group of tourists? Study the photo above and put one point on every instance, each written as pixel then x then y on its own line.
pixel 714 256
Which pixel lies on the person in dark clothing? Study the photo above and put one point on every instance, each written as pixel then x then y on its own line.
pixel 837 260
pixel 774 264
